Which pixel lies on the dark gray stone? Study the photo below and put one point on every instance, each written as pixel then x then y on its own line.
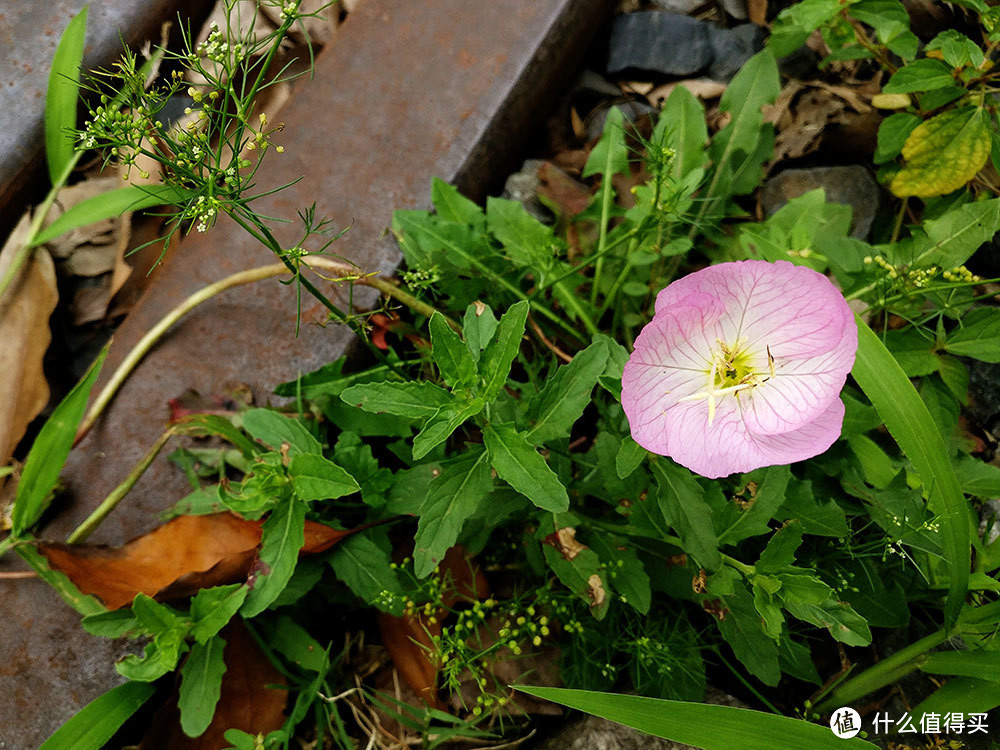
pixel 667 43
pixel 733 47
pixel 852 185
pixel 678 6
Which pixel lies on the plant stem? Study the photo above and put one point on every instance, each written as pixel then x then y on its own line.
pixel 85 529
pixel 7 544
pixel 606 192
pixel 898 226
pixel 237 279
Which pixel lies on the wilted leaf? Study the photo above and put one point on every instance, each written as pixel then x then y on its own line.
pixel 251 700
pixel 25 308
pixel 174 560
pixel 943 153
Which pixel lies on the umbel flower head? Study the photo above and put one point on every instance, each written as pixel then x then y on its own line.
pixel 741 367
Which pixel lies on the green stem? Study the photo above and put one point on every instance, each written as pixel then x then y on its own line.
pixel 606 192
pixel 7 544
pixel 746 683
pixel 898 226
pixel 85 529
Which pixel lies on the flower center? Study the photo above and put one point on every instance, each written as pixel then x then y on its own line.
pixel 731 372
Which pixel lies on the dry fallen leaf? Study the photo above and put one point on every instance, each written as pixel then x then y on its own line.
pixel 175 560
pixel 252 699
pixel 757 12
pixel 25 308
pixel 408 638
pixel 703 88
pixel 560 191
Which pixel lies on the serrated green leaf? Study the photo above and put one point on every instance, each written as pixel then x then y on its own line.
pixel 451 498
pixel 96 723
pixel 943 153
pixel 843 623
pixel 50 450
pixel 892 135
pixel 494 367
pixel 741 628
pixel 451 205
pixel 565 395
pixel 526 241
pixel 753 521
pixel 781 548
pixel 318 478
pixel 363 563
pixel 274 430
pixel 445 421
pixel 794 24
pixel 201 685
pixel 110 204
pixel 450 354
pixel 609 156
pixel 910 424
pixel 922 75
pixel 518 463
pixel 62 98
pixel 681 127
pixel 418 399
pixel 282 538
pixel 978 337
pixel 213 608
pixel 682 503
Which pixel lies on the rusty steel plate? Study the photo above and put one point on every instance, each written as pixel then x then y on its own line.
pixel 406 91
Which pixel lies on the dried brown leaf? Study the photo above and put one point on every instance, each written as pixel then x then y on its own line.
pixel 757 12
pixel 252 699
pixel 174 560
pixel 560 191
pixel 25 308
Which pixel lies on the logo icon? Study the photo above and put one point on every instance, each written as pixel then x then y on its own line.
pixel 845 722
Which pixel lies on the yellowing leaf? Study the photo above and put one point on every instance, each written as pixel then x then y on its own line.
pixel 943 153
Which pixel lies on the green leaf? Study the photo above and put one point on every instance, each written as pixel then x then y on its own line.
pixel 292 641
pixel 445 421
pixel 363 562
pixel 583 575
pixel 780 549
pixel 478 327
pixel 494 367
pixel 978 477
pixel 451 498
pixel 702 725
pixel 609 155
pixel 110 204
pixel 962 695
pixel 681 127
pixel 451 356
pixel 630 455
pixel 892 134
pixel 769 497
pixel 821 519
pixel 201 685
pixel 527 242
pixel 50 450
pixel 62 98
pixel 943 153
pixel 741 628
pixel 275 429
pixel 283 537
pixel 96 723
pixel 953 238
pixel 521 466
pixel 415 398
pixel 85 604
pixel 957 49
pixel 922 75
pixel 213 608
pixel 910 424
pixel 116 623
pixel 318 478
pixel 626 573
pixel 979 336
pixel 971 663
pixel 682 503
pixel 844 624
pixel 562 400
pixel 451 205
pixel 793 25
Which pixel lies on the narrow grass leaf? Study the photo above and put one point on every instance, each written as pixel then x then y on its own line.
pixel 911 425
pixel 60 582
pixel 201 685
pixel 50 451
pixel 97 722
pixel 973 663
pixel 523 468
pixel 62 97
pixel 110 204
pixel 700 724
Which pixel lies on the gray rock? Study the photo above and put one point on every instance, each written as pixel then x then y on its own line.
pixel 733 47
pixel 678 6
pixel 736 8
pixel 853 185
pixel 665 43
pixel 522 186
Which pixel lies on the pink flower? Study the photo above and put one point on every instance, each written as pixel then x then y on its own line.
pixel 741 367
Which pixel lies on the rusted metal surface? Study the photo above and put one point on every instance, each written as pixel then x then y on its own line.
pixel 29 34
pixel 406 91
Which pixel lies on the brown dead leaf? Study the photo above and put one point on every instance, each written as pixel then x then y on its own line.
pixel 757 12
pixel 596 592
pixel 408 638
pixel 703 88
pixel 560 191
pixel 251 699
pixel 175 560
pixel 25 308
pixel 564 540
